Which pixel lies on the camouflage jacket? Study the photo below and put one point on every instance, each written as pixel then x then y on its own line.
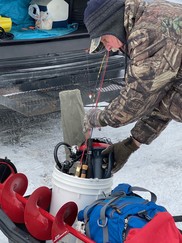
pixel 153 91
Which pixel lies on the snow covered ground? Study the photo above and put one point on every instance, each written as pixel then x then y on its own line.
pixel 29 143
pixel 175 1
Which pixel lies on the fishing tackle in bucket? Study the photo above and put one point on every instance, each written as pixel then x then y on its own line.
pixel 86 160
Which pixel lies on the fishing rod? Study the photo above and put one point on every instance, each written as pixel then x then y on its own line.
pixel 87 159
pixel 87 167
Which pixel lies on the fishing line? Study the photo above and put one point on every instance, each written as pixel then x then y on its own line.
pixel 92 91
pixel 105 60
pixel 103 77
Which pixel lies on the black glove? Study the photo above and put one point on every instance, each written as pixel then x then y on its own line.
pixel 121 151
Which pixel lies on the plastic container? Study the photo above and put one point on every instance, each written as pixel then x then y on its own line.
pixel 6 23
pixel 59 12
pixel 82 191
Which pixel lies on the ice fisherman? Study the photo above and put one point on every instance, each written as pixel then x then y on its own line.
pixel 149 32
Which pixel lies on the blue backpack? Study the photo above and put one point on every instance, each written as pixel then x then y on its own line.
pixel 109 219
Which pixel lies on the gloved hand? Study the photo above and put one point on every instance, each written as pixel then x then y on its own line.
pixel 92 119
pixel 121 151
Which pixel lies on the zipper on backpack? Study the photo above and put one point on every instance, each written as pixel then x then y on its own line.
pixel 119 209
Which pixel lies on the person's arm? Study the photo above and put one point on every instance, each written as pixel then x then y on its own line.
pixel 149 127
pixel 148 78
pixel 144 132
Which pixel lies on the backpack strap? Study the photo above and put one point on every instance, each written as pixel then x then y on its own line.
pixel 141 189
pixel 177 218
pixel 102 221
pixel 87 212
pixel 102 218
pixel 128 189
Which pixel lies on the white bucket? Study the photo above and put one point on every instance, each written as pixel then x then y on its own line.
pixel 82 191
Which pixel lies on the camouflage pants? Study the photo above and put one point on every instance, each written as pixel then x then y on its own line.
pixel 170 108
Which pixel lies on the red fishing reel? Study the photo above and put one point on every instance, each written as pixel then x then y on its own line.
pixel 97 143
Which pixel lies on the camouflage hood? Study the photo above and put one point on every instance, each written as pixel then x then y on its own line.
pixel 141 12
pixel 145 13
pixel 133 11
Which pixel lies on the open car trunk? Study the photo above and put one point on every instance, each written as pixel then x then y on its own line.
pixel 34 69
pixel 29 40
